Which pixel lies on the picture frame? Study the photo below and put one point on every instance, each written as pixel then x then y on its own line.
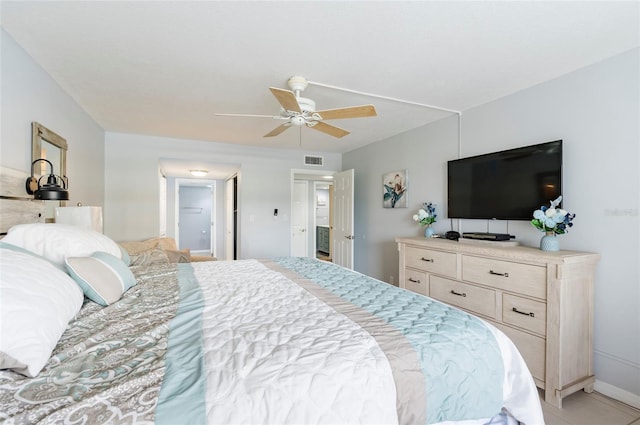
pixel 394 189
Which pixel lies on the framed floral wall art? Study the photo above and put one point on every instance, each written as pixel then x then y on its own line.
pixel 394 189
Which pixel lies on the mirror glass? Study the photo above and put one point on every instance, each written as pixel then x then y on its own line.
pixel 48 145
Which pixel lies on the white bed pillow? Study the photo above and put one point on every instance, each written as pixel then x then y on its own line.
pixel 4 245
pixel 37 302
pixel 102 277
pixel 56 241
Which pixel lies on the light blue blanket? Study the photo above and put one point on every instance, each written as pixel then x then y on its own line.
pixel 460 357
pixel 182 396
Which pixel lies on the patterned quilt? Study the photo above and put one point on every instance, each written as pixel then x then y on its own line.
pixel 108 366
pixel 285 341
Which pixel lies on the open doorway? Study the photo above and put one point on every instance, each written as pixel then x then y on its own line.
pixel 323 219
pixel 311 209
pixel 174 173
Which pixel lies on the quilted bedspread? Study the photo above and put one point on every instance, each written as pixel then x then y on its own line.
pixel 290 340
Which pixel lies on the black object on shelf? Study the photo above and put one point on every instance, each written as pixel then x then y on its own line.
pixel 452 235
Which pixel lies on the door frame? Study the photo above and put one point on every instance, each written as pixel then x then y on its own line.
pixel 231 216
pixel 196 182
pixel 314 220
pixel 296 174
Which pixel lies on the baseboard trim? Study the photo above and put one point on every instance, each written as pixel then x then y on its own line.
pixel 616 393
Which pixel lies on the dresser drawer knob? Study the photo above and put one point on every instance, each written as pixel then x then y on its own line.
pixel 428 260
pixel 522 312
pixel 414 280
pixel 463 294
pixel 499 274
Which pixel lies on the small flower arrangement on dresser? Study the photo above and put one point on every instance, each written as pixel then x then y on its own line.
pixel 426 216
pixel 553 221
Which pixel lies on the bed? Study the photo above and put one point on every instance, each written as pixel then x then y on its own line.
pixel 91 334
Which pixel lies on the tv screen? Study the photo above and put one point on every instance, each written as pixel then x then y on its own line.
pixel 506 185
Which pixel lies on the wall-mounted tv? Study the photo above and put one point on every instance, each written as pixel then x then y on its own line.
pixel 506 185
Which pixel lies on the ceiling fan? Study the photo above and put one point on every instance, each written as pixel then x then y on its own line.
pixel 299 111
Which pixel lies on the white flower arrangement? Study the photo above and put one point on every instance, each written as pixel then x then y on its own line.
pixel 426 215
pixel 553 219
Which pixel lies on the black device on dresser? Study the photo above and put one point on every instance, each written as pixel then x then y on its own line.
pixel 488 236
pixel 452 235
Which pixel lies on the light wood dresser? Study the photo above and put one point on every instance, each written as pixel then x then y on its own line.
pixel 542 300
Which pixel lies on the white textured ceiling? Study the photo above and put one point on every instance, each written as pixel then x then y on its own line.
pixel 166 68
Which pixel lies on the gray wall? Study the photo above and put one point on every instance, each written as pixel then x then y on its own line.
pixel 132 193
pixel 423 152
pixel 595 111
pixel 30 94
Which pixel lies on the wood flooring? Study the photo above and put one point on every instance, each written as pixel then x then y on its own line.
pixel 582 408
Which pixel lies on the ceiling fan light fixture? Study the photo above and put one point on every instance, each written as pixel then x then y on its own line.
pixel 198 173
pixel 298 120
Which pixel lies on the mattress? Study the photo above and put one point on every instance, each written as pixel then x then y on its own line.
pixel 290 340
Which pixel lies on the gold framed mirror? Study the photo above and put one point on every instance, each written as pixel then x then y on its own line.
pixel 46 144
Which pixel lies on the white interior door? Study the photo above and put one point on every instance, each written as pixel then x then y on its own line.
pixel 195 218
pixel 343 234
pixel 300 219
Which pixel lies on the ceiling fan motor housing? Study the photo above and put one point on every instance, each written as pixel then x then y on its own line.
pixel 306 105
pixel 297 83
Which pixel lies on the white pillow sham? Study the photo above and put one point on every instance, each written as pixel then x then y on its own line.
pixel 102 277
pixel 4 245
pixel 38 301
pixel 55 241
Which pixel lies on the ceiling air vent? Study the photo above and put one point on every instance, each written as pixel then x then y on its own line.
pixel 313 160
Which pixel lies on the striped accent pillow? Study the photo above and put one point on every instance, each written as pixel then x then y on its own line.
pixel 102 276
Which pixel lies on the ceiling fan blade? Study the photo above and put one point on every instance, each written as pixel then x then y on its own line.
pixel 352 112
pixel 329 129
pixel 246 115
pixel 279 129
pixel 286 98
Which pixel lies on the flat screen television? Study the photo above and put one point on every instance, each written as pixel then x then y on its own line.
pixel 505 185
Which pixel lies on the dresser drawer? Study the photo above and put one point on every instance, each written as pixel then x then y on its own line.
pixel 470 297
pixel 443 263
pixel 524 279
pixel 524 313
pixel 531 347
pixel 416 281
pixel 491 281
